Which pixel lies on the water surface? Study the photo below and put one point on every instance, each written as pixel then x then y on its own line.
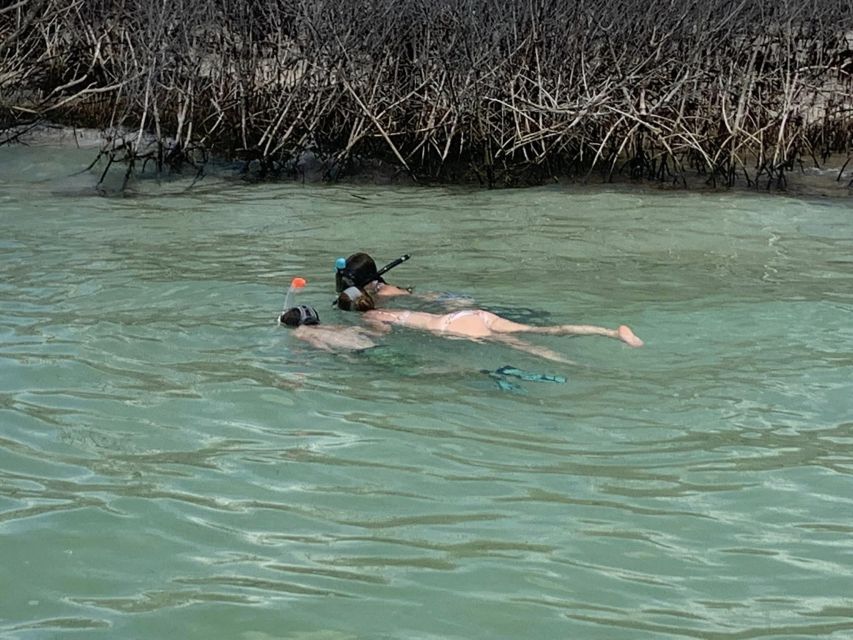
pixel 172 463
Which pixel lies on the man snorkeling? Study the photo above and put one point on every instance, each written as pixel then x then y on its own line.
pixel 476 324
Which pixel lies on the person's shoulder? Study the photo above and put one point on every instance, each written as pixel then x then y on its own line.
pixel 384 289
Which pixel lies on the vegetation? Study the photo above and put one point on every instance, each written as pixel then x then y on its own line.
pixel 503 91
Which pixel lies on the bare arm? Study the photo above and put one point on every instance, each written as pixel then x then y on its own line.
pixel 376 326
pixel 329 338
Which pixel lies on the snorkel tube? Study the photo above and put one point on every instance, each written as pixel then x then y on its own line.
pixel 392 264
pixel 295 285
pixel 340 268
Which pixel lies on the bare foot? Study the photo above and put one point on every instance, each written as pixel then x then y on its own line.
pixel 627 336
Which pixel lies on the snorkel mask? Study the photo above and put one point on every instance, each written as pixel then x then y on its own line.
pixel 297 316
pixel 349 298
pixel 345 278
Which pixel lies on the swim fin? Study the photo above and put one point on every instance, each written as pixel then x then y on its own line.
pixel 503 383
pixel 508 370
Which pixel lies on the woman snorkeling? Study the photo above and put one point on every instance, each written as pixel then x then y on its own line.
pixel 476 324
pixel 359 270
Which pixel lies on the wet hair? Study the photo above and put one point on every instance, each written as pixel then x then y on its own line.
pixel 361 269
pixel 355 299
pixel 296 316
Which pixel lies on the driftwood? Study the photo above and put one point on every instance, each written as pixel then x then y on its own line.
pixel 504 91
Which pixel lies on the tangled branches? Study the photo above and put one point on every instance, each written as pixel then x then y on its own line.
pixel 504 91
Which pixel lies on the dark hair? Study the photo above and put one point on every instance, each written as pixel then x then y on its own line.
pixel 361 268
pixel 352 299
pixel 296 316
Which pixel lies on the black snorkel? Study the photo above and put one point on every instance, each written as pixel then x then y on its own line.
pixel 393 264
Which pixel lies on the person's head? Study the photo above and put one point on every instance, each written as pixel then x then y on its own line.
pixel 360 269
pixel 354 299
pixel 297 316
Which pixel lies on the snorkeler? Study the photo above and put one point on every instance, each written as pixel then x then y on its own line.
pixel 359 270
pixel 306 326
pixel 476 324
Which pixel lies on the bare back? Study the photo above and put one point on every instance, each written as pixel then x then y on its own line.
pixel 330 338
pixel 468 323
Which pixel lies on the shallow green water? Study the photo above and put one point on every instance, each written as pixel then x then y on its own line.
pixel 174 465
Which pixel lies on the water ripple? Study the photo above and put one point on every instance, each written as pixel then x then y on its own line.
pixel 170 458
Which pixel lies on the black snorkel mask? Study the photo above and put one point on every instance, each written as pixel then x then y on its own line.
pixel 344 278
pixel 307 315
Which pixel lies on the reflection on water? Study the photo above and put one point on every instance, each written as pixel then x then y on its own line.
pixel 170 458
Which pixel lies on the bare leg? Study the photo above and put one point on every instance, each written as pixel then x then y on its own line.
pixel 536 350
pixel 627 336
pixel 623 333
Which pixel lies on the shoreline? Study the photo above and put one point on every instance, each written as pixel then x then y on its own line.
pixel 310 169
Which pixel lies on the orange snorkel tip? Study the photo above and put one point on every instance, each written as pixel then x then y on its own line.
pixel 295 284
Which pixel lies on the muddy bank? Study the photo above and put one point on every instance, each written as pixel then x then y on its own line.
pixel 834 178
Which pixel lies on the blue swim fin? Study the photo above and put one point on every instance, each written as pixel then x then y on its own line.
pixel 503 383
pixel 508 370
